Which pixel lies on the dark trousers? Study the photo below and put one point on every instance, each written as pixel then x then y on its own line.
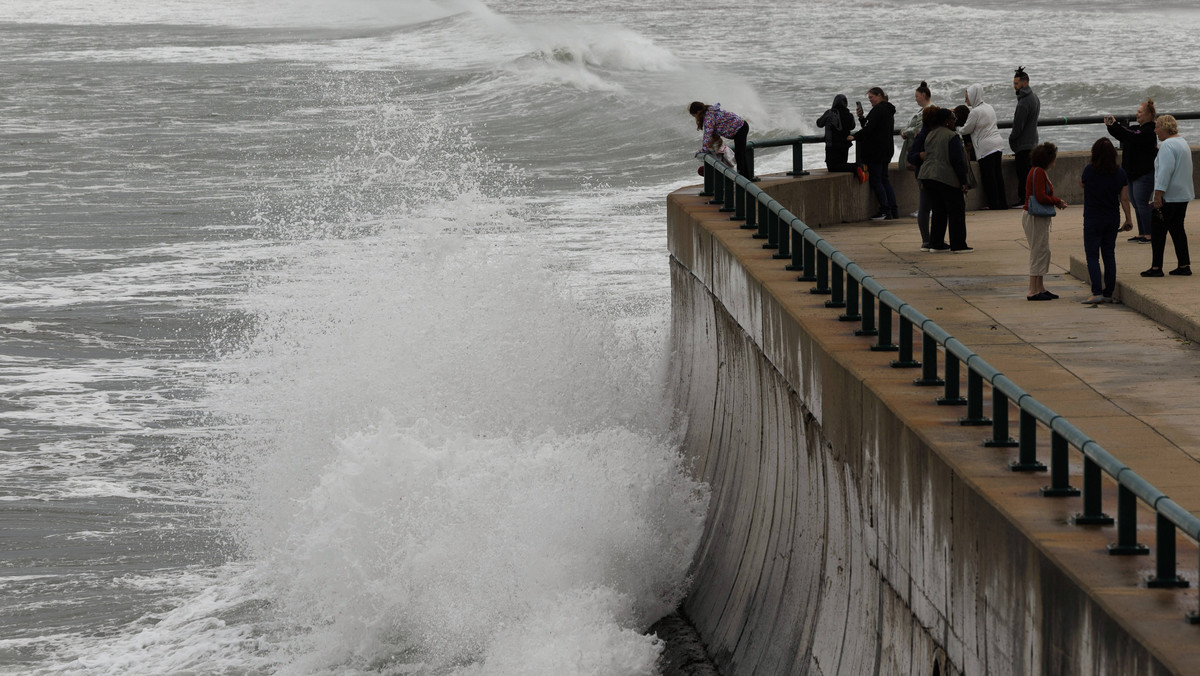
pixel 836 158
pixel 882 187
pixel 1169 220
pixel 1140 191
pixel 991 179
pixel 947 210
pixel 1021 160
pixel 1100 242
pixel 739 149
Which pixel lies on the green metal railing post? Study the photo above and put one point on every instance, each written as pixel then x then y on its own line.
pixel 868 315
pixel 730 193
pixel 797 160
pixel 975 414
pixel 709 172
pixel 1092 514
pixel 906 360
pixel 1165 576
pixel 952 396
pixel 785 238
pixel 884 343
pixel 767 227
pixel 739 206
pixel 822 287
pixel 1000 436
pixel 851 314
pixel 1027 456
pixel 718 186
pixel 809 268
pixel 1127 544
pixel 797 250
pixel 838 288
pixel 1060 480
pixel 929 375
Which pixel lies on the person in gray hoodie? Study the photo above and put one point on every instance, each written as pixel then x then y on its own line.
pixel 989 146
pixel 1024 134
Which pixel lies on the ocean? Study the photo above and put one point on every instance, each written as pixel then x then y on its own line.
pixel 334 332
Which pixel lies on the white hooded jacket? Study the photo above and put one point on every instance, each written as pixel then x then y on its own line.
pixel 981 124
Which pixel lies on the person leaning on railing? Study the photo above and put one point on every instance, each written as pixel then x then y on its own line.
pixel 716 122
pixel 1172 192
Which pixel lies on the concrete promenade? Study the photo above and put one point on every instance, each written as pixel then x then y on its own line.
pixel 1127 374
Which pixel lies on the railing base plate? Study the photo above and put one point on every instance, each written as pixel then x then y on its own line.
pixel 1128 550
pixel 1092 520
pixel 1065 492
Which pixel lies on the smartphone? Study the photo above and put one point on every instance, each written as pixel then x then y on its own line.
pixel 858 105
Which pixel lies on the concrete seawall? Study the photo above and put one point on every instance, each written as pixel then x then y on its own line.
pixel 851 531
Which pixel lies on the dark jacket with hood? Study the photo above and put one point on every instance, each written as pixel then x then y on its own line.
pixel 1139 147
pixel 875 138
pixel 1024 134
pixel 838 122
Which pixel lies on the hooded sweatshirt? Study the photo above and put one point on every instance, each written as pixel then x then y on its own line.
pixel 837 122
pixel 875 138
pixel 981 124
pixel 1024 134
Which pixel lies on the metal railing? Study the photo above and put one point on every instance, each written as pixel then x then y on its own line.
pixel 847 284
pixel 797 142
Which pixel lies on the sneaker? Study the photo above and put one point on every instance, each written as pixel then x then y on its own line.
pixel 1152 272
pixel 882 216
pixel 939 249
pixel 924 246
pixel 1109 299
pixel 913 215
pixel 965 249
pixel 861 172
pixel 1181 270
pixel 1094 300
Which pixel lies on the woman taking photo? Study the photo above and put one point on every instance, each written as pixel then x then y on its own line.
pixel 875 150
pixel 715 122
pixel 1139 147
pixel 1040 204
pixel 1104 188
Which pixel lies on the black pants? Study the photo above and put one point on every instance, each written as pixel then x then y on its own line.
pixel 1164 221
pixel 739 149
pixel 836 158
pixel 947 209
pixel 1021 160
pixel 991 179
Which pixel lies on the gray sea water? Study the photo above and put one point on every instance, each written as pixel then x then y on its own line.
pixel 332 333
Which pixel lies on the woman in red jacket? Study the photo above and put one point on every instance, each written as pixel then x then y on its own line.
pixel 1037 228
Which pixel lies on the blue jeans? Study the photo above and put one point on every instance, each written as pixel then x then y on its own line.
pixel 1140 192
pixel 882 186
pixel 1100 241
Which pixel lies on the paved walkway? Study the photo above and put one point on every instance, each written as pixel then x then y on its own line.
pixel 1087 362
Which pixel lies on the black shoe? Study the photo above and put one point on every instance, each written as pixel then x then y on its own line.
pixel 939 248
pixel 881 216
pixel 1184 270
pixel 965 249
pixel 1045 295
pixel 1152 272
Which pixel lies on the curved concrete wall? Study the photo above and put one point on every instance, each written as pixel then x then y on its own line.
pixel 839 540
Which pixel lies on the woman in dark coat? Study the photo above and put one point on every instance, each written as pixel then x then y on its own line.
pixel 875 149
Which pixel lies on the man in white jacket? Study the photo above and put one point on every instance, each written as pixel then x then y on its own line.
pixel 989 146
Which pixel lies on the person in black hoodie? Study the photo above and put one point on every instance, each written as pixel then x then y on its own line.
pixel 1139 147
pixel 875 149
pixel 837 123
